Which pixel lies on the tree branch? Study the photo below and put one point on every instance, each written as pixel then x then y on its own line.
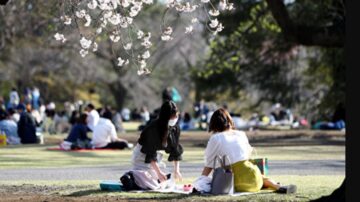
pixel 325 36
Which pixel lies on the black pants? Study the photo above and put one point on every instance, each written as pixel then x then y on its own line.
pixel 116 145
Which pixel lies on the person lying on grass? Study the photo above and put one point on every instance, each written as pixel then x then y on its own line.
pixel 161 134
pixel 225 140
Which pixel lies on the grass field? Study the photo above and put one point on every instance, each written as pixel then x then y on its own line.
pixel 309 187
pixel 36 156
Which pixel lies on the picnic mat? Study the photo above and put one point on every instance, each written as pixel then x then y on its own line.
pixel 112 185
pixel 79 150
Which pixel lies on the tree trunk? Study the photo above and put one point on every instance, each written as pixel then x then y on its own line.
pixel 119 92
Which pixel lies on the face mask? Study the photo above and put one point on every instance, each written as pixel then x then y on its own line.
pixel 172 122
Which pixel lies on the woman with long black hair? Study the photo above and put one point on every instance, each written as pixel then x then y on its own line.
pixel 161 134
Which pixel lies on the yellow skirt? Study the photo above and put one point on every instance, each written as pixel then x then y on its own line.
pixel 247 177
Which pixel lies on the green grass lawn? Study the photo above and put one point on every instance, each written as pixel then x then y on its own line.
pixel 36 156
pixel 309 187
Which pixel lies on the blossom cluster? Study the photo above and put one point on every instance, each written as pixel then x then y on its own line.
pixel 115 18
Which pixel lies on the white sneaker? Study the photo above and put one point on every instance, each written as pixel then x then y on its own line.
pixel 130 145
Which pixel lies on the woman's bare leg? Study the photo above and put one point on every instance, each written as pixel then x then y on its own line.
pixel 269 183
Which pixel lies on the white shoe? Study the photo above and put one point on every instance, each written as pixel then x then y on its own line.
pixel 130 145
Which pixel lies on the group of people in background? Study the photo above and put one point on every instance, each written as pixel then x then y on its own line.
pixel 24 118
pixel 278 117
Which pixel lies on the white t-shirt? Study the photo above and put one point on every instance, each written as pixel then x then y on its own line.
pixel 93 119
pixel 232 143
pixel 104 133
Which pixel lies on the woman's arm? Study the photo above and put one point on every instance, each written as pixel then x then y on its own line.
pixel 160 174
pixel 206 171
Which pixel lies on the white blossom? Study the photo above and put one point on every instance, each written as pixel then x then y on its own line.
pixel 143 71
pixel 85 44
pixel 108 14
pixel 140 34
pixel 147 1
pixel 128 46
pixel 95 46
pixel 83 52
pixel 60 37
pixel 93 4
pixel 205 1
pixel 123 22
pixel 214 23
pixel 171 3
pixel 80 14
pixel 142 64
pixel 104 6
pixel 124 3
pixel 194 20
pixel 189 8
pixel 230 6
pixel 99 30
pixel 66 19
pixel 146 43
pixel 166 38
pixel 219 28
pixel 115 19
pixel 88 20
pixel 120 61
pixel 168 31
pixel 129 20
pixel 146 55
pixel 214 12
pixel 188 29
pixel 134 10
pixel 114 38
pixel 223 4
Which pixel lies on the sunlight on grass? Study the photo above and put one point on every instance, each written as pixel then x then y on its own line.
pixel 38 157
pixel 309 187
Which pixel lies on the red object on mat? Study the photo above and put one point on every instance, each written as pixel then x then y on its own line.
pixel 78 150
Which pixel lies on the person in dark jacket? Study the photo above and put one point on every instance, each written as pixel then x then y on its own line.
pixel 27 125
pixel 162 133
pixel 78 135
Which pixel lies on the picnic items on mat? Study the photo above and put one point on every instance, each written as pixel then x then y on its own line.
pixel 262 163
pixel 111 185
pixel 202 184
pixel 223 177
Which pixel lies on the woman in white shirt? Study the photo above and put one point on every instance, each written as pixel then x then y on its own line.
pixel 105 136
pixel 235 144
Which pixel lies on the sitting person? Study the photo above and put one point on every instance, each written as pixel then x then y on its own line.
pixel 233 143
pixel 93 117
pixel 280 116
pixel 77 137
pixel 105 136
pixel 9 126
pixel 163 133
pixel 186 123
pixel 27 125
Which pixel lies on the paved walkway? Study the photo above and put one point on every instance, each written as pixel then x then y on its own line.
pixel 295 167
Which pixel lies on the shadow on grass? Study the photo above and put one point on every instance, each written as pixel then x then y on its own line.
pixel 132 195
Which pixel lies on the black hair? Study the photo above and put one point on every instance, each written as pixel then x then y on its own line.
pixel 91 106
pixel 167 110
pixel 82 119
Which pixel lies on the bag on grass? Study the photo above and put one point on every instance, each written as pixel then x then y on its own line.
pixel 223 177
pixel 262 164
